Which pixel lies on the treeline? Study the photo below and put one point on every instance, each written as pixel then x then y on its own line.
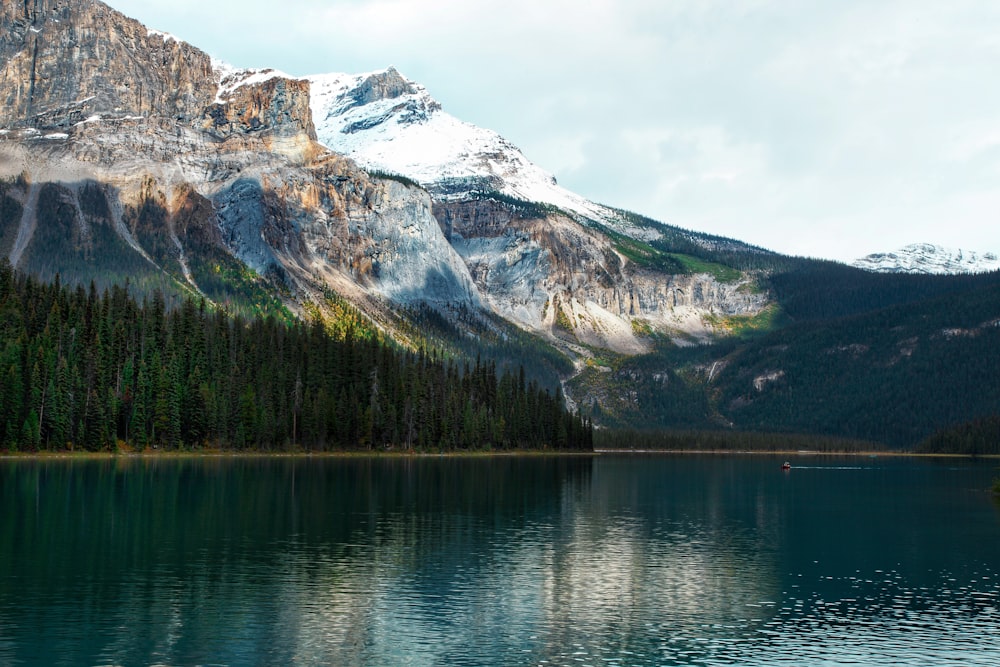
pixel 719 250
pixel 727 441
pixel 979 437
pixel 824 291
pixel 98 371
pixel 469 334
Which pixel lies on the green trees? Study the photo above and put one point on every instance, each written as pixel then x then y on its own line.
pixel 884 359
pixel 979 437
pixel 83 370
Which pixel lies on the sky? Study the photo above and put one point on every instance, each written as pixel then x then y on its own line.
pixel 808 127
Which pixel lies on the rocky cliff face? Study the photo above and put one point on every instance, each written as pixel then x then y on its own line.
pixel 553 275
pixel 62 62
pixel 190 164
pixel 251 101
pixel 93 97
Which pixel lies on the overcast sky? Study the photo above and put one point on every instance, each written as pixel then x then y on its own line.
pixel 824 128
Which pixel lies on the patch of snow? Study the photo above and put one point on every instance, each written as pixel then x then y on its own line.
pixel 928 258
pixel 222 69
pixel 231 79
pixel 165 36
pixel 409 134
pixel 56 136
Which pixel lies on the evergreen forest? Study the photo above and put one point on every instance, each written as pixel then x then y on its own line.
pixel 101 371
pixel 891 361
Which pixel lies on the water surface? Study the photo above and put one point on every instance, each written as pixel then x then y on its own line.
pixel 611 560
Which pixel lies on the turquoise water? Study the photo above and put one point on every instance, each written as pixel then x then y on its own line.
pixel 610 560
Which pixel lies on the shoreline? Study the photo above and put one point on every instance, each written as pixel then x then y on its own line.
pixel 792 453
pixel 345 454
pixel 886 453
pixel 232 454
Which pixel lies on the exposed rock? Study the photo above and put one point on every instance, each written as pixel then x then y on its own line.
pixel 385 85
pixel 762 381
pixel 150 118
pixel 524 266
pixel 63 62
pixel 250 102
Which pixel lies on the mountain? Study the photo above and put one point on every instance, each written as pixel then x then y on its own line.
pixel 391 124
pixel 129 157
pixel 929 258
pixel 543 257
pixel 888 359
pixel 126 151
pixel 387 122
pixel 215 179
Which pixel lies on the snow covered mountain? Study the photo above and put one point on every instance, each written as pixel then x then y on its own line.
pixel 540 255
pixel 930 259
pixel 386 122
pixel 228 183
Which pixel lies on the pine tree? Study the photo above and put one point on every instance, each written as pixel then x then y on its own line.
pixel 86 368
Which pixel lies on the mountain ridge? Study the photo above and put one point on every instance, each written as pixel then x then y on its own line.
pixel 503 213
pixel 229 191
pixel 928 258
pixel 291 208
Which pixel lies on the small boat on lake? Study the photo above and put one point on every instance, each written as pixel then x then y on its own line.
pixel 786 466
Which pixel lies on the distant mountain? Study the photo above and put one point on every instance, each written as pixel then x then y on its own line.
pixel 930 259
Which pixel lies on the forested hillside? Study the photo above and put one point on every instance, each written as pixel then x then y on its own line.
pixel 976 438
pixel 889 359
pixel 893 376
pixel 101 371
pixel 819 291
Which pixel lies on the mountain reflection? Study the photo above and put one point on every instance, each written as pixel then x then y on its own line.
pixel 530 577
pixel 505 560
pixel 370 560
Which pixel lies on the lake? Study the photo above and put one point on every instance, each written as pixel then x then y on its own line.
pixel 604 560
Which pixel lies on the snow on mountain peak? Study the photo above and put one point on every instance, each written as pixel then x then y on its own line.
pixel 350 103
pixel 231 78
pixel 930 259
pixel 165 36
pixel 386 122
